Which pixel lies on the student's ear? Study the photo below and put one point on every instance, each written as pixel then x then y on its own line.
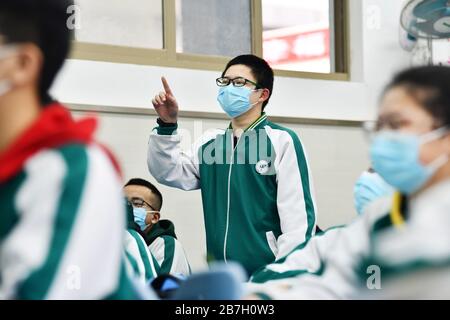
pixel 155 217
pixel 28 65
pixel 265 95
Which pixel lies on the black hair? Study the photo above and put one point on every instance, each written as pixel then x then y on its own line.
pixel 430 86
pixel 261 70
pixel 43 23
pixel 150 186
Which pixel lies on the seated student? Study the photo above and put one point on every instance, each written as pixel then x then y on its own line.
pixel 405 237
pixel 159 234
pixel 142 266
pixel 139 261
pixel 60 194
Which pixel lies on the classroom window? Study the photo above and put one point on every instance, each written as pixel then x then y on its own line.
pixel 214 27
pixel 299 38
pixel 297 35
pixel 129 23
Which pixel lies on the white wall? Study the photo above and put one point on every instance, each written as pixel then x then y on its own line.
pixel 337 154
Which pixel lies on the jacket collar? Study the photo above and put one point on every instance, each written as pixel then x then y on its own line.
pixel 258 123
pixel 162 228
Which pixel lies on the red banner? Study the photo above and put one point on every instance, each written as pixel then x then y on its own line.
pixel 294 47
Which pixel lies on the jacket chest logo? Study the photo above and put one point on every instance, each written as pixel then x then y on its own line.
pixel 262 167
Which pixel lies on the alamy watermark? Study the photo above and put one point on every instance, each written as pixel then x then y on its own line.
pixel 373 17
pixel 374 280
pixel 73 281
pixel 74 20
pixel 220 147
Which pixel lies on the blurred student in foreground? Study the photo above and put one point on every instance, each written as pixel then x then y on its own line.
pixel 401 244
pixel 61 203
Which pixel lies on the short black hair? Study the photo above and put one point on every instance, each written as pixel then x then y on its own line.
pixel 261 70
pixel 430 86
pixel 150 186
pixel 43 23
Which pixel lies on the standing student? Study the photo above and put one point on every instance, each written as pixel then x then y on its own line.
pixel 62 215
pixel 257 192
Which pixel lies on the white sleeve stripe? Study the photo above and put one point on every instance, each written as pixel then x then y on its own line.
pixel 294 196
pixel 28 246
pixel 157 249
pixel 98 230
pixel 133 250
pixel 180 264
pixel 173 167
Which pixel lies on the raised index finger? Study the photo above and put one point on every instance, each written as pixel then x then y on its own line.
pixel 166 86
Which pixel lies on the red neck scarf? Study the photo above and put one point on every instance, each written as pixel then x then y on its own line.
pixel 54 128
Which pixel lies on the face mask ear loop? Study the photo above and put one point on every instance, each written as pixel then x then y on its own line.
pixel 5 87
pixel 439 162
pixel 254 104
pixel 6 52
pixel 433 135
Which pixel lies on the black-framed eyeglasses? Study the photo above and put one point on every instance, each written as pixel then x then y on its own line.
pixel 395 123
pixel 237 82
pixel 140 203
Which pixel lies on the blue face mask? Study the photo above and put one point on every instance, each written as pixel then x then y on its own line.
pixel 395 156
pixel 235 101
pixel 140 215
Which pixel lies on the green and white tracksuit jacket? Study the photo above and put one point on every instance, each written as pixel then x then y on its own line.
pixel 139 261
pixel 258 198
pixel 141 264
pixel 406 241
pixel 167 250
pixel 61 209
